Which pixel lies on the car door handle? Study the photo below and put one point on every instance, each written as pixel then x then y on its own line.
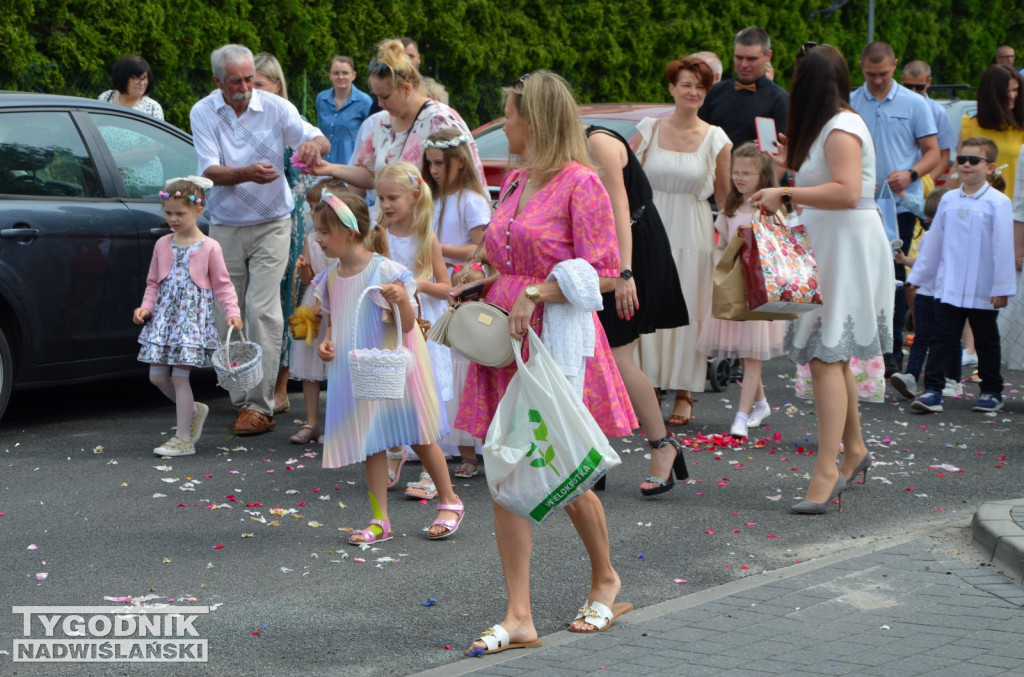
pixel 20 233
pixel 160 231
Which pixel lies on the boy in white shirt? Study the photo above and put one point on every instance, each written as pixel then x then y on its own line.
pixel 967 260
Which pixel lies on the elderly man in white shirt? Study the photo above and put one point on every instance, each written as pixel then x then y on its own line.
pixel 240 134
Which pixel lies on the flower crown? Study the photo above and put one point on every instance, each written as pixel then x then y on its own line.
pixel 201 182
pixel 444 144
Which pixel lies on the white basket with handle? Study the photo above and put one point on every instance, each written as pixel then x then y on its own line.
pixel 377 373
pixel 239 366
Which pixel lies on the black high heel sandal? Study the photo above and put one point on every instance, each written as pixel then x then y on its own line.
pixel 678 470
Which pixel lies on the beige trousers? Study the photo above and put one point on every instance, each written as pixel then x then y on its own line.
pixel 256 258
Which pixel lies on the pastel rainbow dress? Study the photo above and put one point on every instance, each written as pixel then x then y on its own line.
pixel 356 429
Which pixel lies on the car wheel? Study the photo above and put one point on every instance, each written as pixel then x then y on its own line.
pixel 6 372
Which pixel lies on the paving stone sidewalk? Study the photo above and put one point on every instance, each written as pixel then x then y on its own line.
pixel 918 608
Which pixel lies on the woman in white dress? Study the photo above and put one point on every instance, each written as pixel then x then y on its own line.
pixel 686 161
pixel 831 150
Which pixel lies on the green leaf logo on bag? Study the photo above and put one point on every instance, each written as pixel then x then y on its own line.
pixel 578 480
pixel 540 433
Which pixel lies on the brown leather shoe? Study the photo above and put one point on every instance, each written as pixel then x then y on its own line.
pixel 252 422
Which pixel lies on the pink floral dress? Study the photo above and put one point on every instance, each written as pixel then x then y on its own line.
pixel 570 217
pixel 383 145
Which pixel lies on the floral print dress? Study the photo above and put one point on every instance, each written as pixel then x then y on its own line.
pixel 569 217
pixel 182 329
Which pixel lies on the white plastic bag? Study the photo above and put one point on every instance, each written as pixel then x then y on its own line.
pixel 543 448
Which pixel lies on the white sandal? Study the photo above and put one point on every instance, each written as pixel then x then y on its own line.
pixel 496 639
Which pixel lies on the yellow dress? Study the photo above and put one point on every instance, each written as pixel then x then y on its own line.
pixel 1008 141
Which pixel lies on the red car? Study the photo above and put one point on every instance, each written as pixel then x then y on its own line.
pixel 621 117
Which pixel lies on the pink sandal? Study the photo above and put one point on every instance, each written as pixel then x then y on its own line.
pixel 307 433
pixel 451 525
pixel 371 537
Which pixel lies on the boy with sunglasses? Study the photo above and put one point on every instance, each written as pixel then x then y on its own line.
pixel 967 260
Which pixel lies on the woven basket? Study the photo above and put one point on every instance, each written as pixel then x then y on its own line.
pixel 377 374
pixel 239 365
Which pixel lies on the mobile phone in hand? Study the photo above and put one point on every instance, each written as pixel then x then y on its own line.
pixel 766 134
pixel 472 293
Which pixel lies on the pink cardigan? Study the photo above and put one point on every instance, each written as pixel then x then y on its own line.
pixel 206 267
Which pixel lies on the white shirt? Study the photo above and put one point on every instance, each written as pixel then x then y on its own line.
pixel 260 134
pixel 967 257
pixel 463 212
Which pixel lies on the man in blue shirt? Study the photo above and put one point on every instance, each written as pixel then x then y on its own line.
pixel 906 146
pixel 341 109
pixel 917 75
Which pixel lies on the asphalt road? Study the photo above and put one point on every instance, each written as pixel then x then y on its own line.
pixel 82 500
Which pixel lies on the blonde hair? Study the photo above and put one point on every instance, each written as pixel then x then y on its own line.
pixel 392 61
pixel 467 178
pixel 766 174
pixel 555 136
pixel 325 219
pixel 267 63
pixel 407 175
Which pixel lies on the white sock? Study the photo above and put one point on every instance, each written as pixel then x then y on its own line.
pixel 741 417
pixel 763 405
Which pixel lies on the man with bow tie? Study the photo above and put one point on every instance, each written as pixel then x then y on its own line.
pixel 734 103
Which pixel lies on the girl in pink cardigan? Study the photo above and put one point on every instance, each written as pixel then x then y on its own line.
pixel 186 272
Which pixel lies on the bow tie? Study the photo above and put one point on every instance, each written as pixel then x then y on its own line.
pixel 752 87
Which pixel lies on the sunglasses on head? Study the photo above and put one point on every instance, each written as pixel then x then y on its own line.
pixel 808 46
pixel 971 160
pixel 379 69
pixel 518 84
pixel 916 88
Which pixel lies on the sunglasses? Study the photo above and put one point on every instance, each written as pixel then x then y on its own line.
pixel 808 46
pixel 916 88
pixel 379 69
pixel 971 160
pixel 518 84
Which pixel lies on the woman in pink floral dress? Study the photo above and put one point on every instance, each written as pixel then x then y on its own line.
pixel 409 118
pixel 554 210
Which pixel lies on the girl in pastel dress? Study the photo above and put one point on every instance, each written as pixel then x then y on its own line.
pixel 752 341
pixel 186 272
pixel 359 431
pixel 462 211
pixel 406 215
pixel 306 365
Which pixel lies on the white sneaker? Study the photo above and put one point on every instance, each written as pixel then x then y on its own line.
pixel 953 388
pixel 739 427
pixel 175 447
pixel 968 359
pixel 196 427
pixel 904 384
pixel 758 413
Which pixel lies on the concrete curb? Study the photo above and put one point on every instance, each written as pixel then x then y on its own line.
pixel 997 532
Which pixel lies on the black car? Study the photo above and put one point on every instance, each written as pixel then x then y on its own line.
pixel 79 215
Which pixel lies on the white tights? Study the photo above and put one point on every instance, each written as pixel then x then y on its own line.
pixel 173 382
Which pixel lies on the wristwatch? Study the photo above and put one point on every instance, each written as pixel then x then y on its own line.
pixel 913 175
pixel 786 198
pixel 532 293
pixel 626 274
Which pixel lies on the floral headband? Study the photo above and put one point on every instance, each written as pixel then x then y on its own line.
pixel 341 210
pixel 200 182
pixel 447 143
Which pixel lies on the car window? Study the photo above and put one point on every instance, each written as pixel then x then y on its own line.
pixel 42 153
pixel 146 155
pixel 494 144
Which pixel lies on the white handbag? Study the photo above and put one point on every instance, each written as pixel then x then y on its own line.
pixel 543 448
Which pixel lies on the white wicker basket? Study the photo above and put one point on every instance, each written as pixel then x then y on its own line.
pixel 243 369
pixel 377 374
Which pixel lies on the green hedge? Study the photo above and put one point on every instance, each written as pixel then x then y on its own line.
pixel 609 49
